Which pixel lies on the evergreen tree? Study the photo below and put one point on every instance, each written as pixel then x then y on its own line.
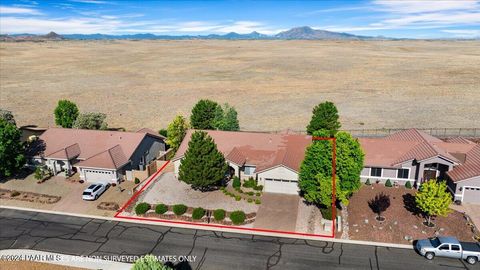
pixel 91 120
pixel 66 113
pixel 226 118
pixel 12 156
pixel 204 114
pixel 325 116
pixel 176 132
pixel 433 199
pixel 203 165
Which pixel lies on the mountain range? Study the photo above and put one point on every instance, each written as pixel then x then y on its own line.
pixel 297 33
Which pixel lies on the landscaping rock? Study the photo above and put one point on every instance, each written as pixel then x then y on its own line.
pixel 366 221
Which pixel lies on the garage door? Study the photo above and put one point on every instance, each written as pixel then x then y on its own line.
pixel 281 186
pixel 98 176
pixel 471 195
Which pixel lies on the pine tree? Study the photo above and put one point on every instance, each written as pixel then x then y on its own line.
pixel 325 117
pixel 227 118
pixel 433 199
pixel 204 114
pixel 203 165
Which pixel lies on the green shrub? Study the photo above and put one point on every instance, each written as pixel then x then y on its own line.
pixel 161 209
pixel 326 212
pixel 219 214
pixel 236 182
pixel 250 200
pixel 257 201
pixel 408 185
pixel 368 182
pixel 237 217
pixel 163 132
pixel 137 181
pixel 258 194
pixel 250 193
pixel 258 188
pixel 142 208
pixel 179 209
pixel 250 183
pixel 222 188
pixel 388 183
pixel 240 191
pixel 238 198
pixel 198 213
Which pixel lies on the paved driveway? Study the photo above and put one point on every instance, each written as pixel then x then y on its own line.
pixel 277 212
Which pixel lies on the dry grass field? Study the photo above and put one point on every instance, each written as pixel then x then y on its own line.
pixel 273 84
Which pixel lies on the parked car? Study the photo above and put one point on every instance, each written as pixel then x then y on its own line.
pixel 94 191
pixel 449 247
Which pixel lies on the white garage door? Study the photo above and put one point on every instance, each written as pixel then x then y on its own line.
pixel 281 186
pixel 99 176
pixel 471 195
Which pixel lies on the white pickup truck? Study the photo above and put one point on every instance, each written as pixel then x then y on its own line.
pixel 449 247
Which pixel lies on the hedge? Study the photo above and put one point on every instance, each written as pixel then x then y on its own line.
pixel 161 208
pixel 179 209
pixel 236 182
pixel 237 217
pixel 198 213
pixel 219 214
pixel 142 208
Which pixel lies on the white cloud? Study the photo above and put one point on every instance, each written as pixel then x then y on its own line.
pixel 463 33
pixel 18 10
pixel 408 7
pixel 89 1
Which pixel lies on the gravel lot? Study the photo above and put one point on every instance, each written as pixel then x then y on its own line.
pixel 168 190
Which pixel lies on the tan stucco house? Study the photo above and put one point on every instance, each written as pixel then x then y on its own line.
pixel 97 155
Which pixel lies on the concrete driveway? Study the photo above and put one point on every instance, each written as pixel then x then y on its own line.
pixel 277 212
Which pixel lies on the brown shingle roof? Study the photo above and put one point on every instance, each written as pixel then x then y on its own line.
pixel 263 150
pixel 108 148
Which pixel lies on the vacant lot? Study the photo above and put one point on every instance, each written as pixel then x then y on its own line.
pixel 273 84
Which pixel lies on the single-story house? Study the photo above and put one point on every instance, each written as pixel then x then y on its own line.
pixel 97 155
pixel 273 159
pixel 414 156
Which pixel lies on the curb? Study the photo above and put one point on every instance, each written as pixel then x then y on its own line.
pixel 196 227
pixel 28 255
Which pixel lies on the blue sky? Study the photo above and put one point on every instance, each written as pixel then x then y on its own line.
pixel 403 18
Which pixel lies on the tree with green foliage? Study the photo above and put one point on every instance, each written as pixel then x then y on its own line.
pixel 12 149
pixel 433 199
pixel 176 132
pixel 203 165
pixel 91 120
pixel 7 116
pixel 204 114
pixel 163 132
pixel 149 262
pixel 325 117
pixel 226 118
pixel 318 161
pixel 324 194
pixel 66 113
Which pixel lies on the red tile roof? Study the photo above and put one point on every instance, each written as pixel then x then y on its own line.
pixel 263 150
pixel 470 168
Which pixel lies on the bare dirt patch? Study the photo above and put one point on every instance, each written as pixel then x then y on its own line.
pixel 273 84
pixel 401 218
pixel 28 196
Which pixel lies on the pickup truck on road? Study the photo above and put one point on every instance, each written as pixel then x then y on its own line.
pixel 449 247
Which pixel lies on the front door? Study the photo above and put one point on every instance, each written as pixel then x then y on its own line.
pixel 429 175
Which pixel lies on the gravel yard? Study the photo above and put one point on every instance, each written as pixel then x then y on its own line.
pixel 168 190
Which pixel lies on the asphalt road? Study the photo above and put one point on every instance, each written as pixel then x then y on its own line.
pixel 212 250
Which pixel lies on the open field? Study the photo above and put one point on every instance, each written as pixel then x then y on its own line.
pixel 273 84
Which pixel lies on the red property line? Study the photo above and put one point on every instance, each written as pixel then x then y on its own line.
pixel 117 215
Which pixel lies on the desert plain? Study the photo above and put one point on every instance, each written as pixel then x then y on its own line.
pixel 273 84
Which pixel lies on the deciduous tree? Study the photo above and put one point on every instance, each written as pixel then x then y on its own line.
pixel 7 116
pixel 66 113
pixel 433 199
pixel 203 165
pixel 91 120
pixel 325 117
pixel 226 118
pixel 176 132
pixel 379 204
pixel 12 149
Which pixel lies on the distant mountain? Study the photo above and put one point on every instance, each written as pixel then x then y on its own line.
pixel 302 33
pixel 306 32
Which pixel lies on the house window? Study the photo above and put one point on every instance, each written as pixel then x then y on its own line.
pixel 377 172
pixel 249 170
pixel 403 173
